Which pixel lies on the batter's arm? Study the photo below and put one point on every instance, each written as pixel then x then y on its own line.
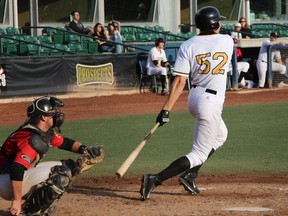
pixel 176 90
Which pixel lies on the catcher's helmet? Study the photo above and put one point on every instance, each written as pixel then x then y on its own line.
pixel 44 106
pixel 159 40
pixel 206 19
pixel 48 106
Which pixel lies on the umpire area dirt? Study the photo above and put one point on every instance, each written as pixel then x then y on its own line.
pixel 258 194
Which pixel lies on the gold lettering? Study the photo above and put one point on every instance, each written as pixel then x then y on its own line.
pixel 87 74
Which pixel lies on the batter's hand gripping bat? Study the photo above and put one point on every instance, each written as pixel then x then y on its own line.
pixel 127 163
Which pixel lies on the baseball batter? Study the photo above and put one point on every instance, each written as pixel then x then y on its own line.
pixel 262 59
pixel 22 177
pixel 206 59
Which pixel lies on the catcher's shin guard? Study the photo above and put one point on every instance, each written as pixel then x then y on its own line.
pixel 40 201
pixel 41 198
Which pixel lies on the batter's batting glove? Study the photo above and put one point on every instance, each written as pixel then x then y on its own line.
pixel 163 117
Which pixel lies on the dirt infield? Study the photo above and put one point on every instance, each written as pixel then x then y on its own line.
pixel 112 196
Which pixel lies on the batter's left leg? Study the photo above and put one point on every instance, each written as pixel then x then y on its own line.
pixel 187 179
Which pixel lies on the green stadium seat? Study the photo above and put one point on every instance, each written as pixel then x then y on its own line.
pixel 45 51
pixel 74 38
pixel 23 46
pixel 159 28
pixel 57 38
pixel 9 47
pixel 86 41
pixel 190 34
pixel 33 50
pixel 23 49
pixel 44 39
pixel 31 39
pixel 153 36
pixel 283 33
pixel 148 27
pixel 128 38
pixel 17 37
pixel 143 37
pixel 49 31
pixel 76 48
pixel 170 38
pixel 182 36
pixel 93 47
pixel 124 30
pixel 12 31
pixel 64 48
pixel 3 31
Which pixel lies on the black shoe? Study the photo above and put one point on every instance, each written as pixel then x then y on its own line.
pixel 188 182
pixel 149 182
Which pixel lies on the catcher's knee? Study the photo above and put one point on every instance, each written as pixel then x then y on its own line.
pixel 72 165
pixel 60 178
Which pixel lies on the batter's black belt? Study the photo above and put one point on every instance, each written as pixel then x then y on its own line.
pixel 207 90
pixel 263 61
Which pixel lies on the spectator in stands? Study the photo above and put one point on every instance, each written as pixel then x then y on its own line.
pixel 277 64
pixel 76 26
pixel 102 37
pixel 236 34
pixel 141 12
pixel 157 63
pixel 114 28
pixel 245 30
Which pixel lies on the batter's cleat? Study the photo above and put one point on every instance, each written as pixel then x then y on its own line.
pixel 188 182
pixel 149 182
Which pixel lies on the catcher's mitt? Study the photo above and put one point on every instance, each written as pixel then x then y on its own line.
pixel 91 156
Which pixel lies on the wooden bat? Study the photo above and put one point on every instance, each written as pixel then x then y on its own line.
pixel 127 163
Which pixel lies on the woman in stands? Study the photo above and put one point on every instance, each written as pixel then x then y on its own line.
pixel 245 30
pixel 102 36
pixel 114 28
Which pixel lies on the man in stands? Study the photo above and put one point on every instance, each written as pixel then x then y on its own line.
pixel 77 26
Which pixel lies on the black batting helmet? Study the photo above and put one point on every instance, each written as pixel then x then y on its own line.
pixel 159 40
pixel 207 18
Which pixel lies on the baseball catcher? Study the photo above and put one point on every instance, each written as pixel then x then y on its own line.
pixel 31 185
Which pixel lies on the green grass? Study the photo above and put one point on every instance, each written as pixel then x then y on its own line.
pixel 257 141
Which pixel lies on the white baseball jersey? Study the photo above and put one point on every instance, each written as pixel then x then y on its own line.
pixel 263 50
pixel 155 55
pixel 206 58
pixel 262 62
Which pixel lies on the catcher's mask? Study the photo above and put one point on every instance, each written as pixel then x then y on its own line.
pixel 48 106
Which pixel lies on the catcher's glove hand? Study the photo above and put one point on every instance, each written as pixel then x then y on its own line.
pixel 91 156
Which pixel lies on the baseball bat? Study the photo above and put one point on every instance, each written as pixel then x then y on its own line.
pixel 127 163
